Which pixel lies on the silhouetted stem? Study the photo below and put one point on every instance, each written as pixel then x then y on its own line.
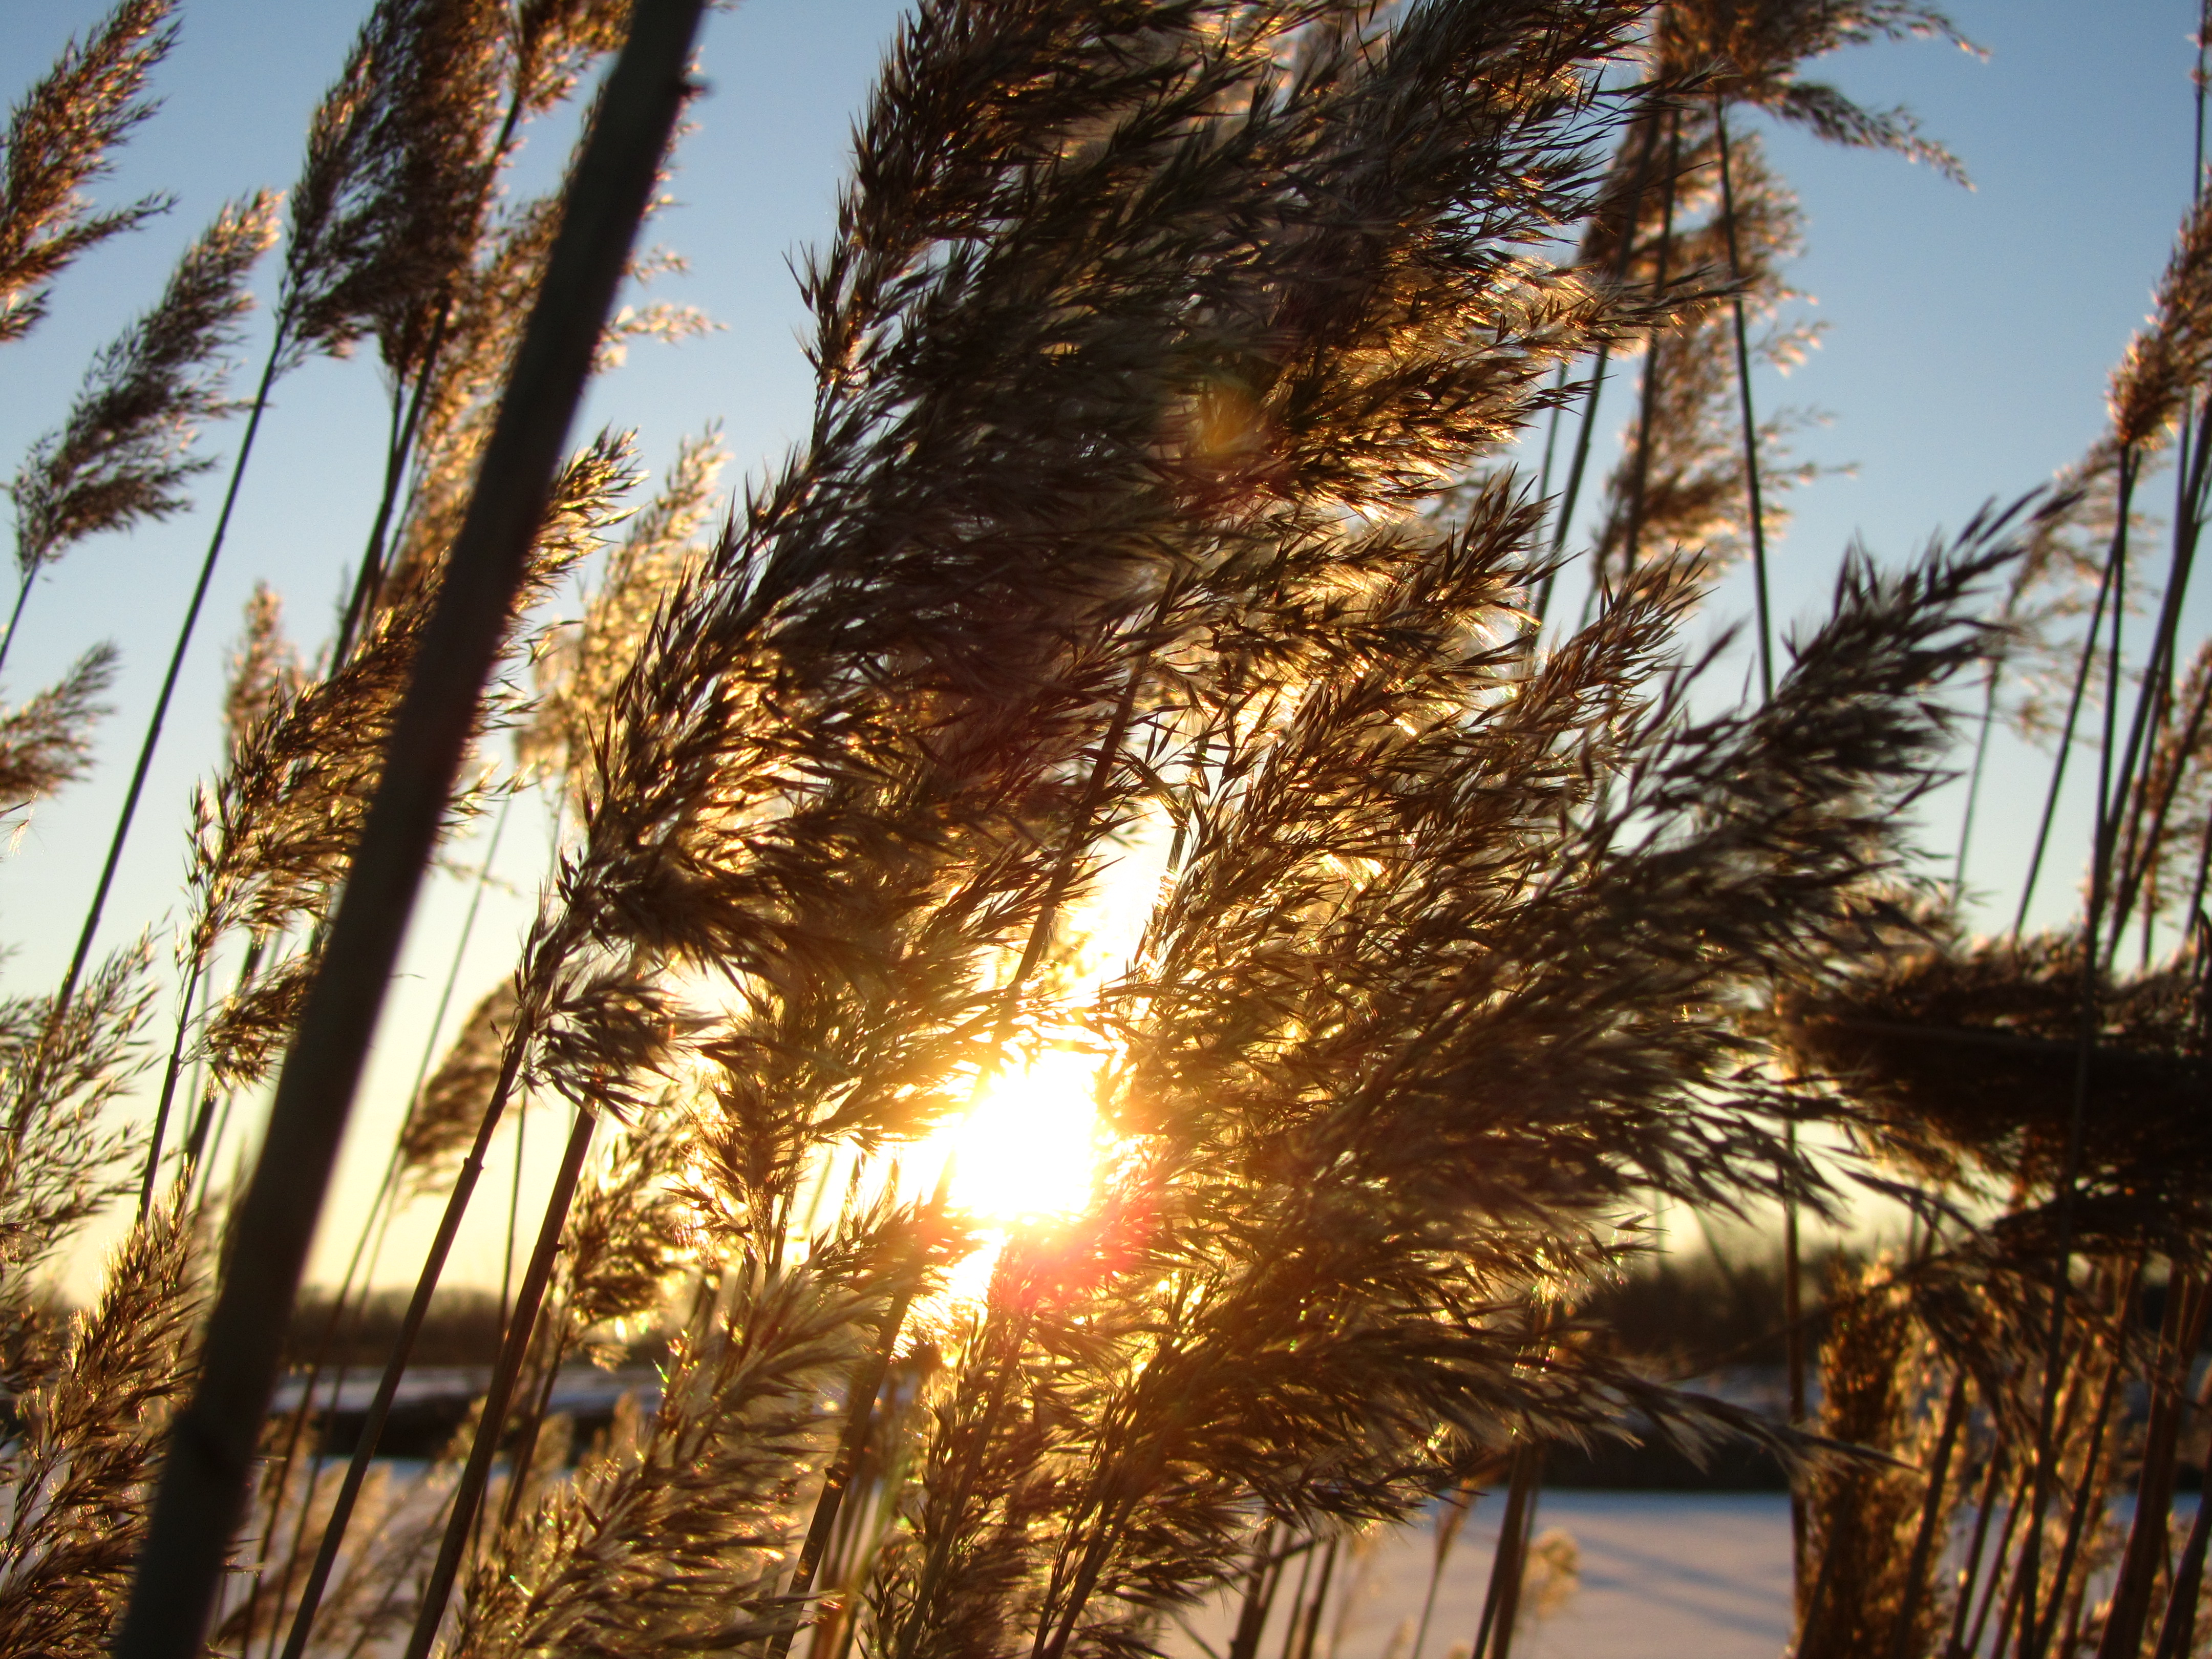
pixel 2113 562
pixel 211 1444
pixel 169 1076
pixel 1970 1572
pixel 152 740
pixel 1579 465
pixel 2033 1637
pixel 1647 413
pixel 1931 1510
pixel 403 1350
pixel 16 615
pixel 1756 509
pixel 476 1473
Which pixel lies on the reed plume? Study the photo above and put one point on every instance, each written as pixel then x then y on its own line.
pixel 92 1432
pixel 59 139
pixel 46 743
pixel 122 457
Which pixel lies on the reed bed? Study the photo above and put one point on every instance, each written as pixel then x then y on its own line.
pixel 1145 715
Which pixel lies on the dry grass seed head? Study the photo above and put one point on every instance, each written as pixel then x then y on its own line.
pixel 390 205
pixel 122 454
pixel 77 1507
pixel 46 743
pixel 58 140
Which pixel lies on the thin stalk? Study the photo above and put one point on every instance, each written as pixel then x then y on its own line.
pixel 1970 1571
pixel 2115 560
pixel 16 615
pixel 1294 1626
pixel 2013 1511
pixel 2085 1495
pixel 1752 486
pixel 1509 1604
pixel 2145 840
pixel 485 1447
pixel 2177 1631
pixel 1792 1257
pixel 1579 465
pixel 2069 1175
pixel 1320 1600
pixel 862 1391
pixel 1647 413
pixel 395 1366
pixel 211 1444
pixel 1505 1561
pixel 269 370
pixel 1459 1504
pixel 940 1556
pixel 1793 1354
pixel 169 1076
pixel 2203 869
pixel 1931 1508
pixel 2155 697
pixel 248 966
pixel 1259 1594
pixel 526 1440
pixel 304 1414
pixel 2155 701
pixel 2181 1332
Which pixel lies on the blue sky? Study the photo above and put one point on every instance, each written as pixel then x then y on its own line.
pixel 1969 334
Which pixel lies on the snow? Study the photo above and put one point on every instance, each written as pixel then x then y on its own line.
pixel 1660 1575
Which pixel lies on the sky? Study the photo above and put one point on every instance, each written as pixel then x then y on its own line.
pixel 1967 338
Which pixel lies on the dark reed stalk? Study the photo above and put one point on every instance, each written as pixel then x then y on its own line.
pixel 1516 1572
pixel 1452 1515
pixel 152 739
pixel 387 1388
pixel 1320 1600
pixel 1754 508
pixel 1294 1626
pixel 406 416
pixel 2114 561
pixel 2195 474
pixel 203 1478
pixel 172 1069
pixel 2146 1553
pixel 1970 1570
pixel 2177 1631
pixel 1648 405
pixel 1259 1594
pixel 2088 1494
pixel 1924 1535
pixel 522 1324
pixel 2032 1635
pixel 1647 135
pixel 1998 1577
pixel 1506 1558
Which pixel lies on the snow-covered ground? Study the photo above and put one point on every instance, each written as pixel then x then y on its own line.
pixel 1657 1575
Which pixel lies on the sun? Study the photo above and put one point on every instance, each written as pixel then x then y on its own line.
pixel 1029 1149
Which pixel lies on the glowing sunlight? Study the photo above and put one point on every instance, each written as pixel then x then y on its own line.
pixel 1029 1148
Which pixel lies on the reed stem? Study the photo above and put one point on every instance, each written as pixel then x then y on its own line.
pixel 15 614
pixel 211 1445
pixel 476 1473
pixel 153 737
pixel 2115 560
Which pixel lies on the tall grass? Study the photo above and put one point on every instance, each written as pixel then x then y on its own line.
pixel 1137 696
